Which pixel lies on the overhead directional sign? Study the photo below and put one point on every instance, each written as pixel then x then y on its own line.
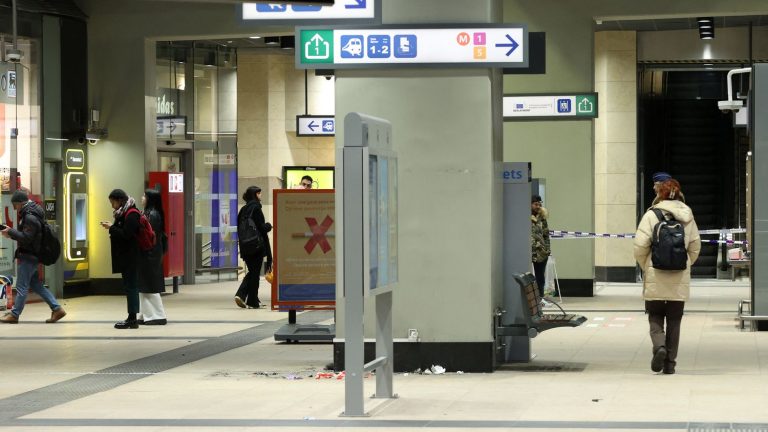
pixel 315 125
pixel 363 11
pixel 171 127
pixel 566 106
pixel 397 46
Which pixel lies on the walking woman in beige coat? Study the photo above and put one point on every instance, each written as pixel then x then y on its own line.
pixel 666 291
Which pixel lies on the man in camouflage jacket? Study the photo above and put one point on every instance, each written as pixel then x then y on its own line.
pixel 540 248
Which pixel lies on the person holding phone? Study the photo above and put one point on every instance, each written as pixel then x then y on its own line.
pixel 123 234
pixel 28 237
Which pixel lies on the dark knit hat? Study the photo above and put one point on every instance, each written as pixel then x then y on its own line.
pixel 661 176
pixel 535 198
pixel 19 197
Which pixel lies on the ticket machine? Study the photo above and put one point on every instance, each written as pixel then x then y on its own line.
pixel 75 200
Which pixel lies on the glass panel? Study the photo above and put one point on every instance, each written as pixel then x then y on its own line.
pixel 171 89
pixel 20 160
pixel 169 162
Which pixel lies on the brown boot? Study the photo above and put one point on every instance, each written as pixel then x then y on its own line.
pixel 56 315
pixel 9 318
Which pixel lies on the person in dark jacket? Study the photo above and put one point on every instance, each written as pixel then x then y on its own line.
pixel 540 246
pixel 123 234
pixel 151 280
pixel 29 237
pixel 248 293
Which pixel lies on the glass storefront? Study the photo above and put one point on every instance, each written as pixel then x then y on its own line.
pixel 197 104
pixel 20 136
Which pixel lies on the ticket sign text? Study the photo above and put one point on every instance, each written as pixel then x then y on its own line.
pixel 338 48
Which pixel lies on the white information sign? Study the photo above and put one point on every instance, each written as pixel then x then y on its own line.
pixel 341 9
pixel 576 106
pixel 492 46
pixel 176 182
pixel 173 127
pixel 315 125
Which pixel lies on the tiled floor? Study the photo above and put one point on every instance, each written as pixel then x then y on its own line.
pixel 216 367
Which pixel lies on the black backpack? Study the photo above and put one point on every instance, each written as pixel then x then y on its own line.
pixel 248 235
pixel 668 244
pixel 50 247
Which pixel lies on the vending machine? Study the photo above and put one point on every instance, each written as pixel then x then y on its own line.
pixel 171 188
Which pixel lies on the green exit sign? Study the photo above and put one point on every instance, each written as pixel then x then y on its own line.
pixel 316 46
pixel 586 105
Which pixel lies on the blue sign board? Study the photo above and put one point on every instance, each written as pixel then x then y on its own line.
pixel 342 11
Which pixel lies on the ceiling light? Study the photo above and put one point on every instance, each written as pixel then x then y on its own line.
pixel 706 27
pixel 254 37
pixel 272 40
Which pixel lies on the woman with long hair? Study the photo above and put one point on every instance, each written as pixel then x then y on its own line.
pixel 152 282
pixel 250 218
pixel 666 291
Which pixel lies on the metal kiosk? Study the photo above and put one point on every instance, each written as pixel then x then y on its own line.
pixel 368 262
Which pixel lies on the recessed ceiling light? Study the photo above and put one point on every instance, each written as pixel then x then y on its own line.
pixel 254 37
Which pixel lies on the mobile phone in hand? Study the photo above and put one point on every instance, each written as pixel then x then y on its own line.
pixel 2 227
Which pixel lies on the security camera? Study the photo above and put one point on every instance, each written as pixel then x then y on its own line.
pixel 730 105
pixel 13 55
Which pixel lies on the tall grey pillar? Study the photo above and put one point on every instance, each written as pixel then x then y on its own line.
pixel 759 131
pixel 447 132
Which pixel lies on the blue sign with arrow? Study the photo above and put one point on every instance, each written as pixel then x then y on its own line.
pixel 512 45
pixel 342 11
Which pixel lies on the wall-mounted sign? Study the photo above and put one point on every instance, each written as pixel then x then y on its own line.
pixel 171 127
pixel 50 209
pixel 75 159
pixel 315 125
pixel 176 182
pixel 567 106
pixel 10 84
pixel 363 11
pixel 397 46
pixel 516 172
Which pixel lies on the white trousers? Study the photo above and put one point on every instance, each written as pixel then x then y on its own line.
pixel 151 307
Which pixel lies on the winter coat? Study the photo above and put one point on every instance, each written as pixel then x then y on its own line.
pixel 540 248
pixel 29 233
pixel 151 279
pixel 253 208
pixel 666 284
pixel 124 243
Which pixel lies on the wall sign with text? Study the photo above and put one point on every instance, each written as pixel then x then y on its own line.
pixel 550 106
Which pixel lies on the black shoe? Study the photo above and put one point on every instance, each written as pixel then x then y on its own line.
pixel 657 363
pixel 140 321
pixel 669 369
pixel 161 321
pixel 133 324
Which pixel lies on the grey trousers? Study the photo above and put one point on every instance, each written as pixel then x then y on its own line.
pixel 671 311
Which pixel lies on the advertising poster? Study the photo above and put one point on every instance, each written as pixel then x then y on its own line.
pixel 322 177
pixel 304 249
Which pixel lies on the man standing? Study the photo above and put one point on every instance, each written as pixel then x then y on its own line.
pixel 28 236
pixel 540 248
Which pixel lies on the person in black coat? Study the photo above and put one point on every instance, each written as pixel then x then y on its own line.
pixel 123 233
pixel 151 280
pixel 248 293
